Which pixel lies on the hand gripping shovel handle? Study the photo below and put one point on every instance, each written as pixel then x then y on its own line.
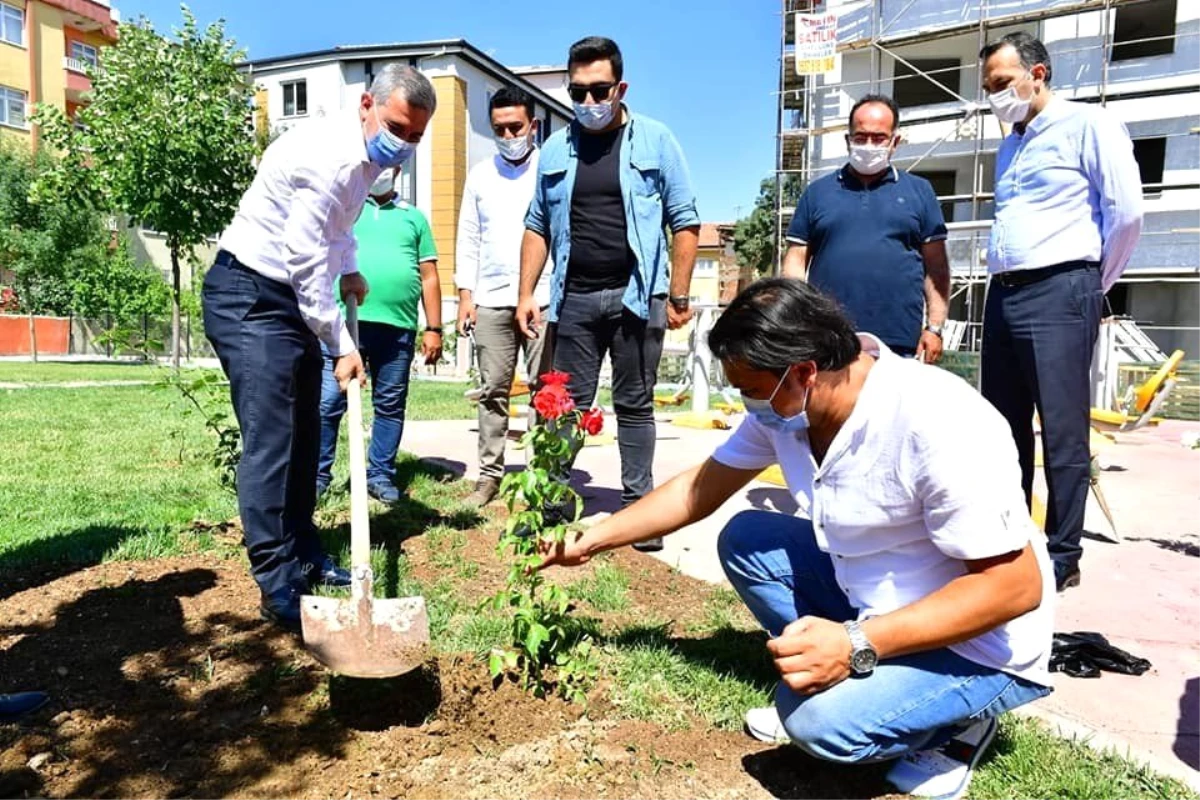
pixel 360 534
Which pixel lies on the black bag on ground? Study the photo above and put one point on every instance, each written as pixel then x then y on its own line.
pixel 1084 654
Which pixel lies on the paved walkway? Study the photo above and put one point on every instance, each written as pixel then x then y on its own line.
pixel 1144 594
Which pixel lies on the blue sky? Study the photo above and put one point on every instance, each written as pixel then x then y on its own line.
pixel 704 67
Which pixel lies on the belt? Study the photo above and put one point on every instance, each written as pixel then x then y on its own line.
pixel 1024 277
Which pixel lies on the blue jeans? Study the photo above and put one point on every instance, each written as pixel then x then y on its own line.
pixel 908 703
pixel 273 362
pixel 388 353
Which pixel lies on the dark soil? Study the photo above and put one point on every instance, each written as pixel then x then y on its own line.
pixel 165 683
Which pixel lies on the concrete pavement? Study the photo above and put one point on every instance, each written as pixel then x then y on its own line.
pixel 1144 594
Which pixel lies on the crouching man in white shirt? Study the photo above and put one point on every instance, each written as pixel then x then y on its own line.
pixel 909 603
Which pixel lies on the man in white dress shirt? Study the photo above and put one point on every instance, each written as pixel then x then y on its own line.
pixel 1068 216
pixel 269 305
pixel 491 224
pixel 910 601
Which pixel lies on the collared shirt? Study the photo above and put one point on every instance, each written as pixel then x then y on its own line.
pixel 865 243
pixel 294 224
pixel 1067 189
pixel 657 191
pixel 491 224
pixel 920 478
pixel 394 239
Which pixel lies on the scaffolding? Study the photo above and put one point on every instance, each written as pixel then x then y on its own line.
pixel 800 127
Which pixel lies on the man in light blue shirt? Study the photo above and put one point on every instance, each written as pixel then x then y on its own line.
pixel 608 186
pixel 1068 216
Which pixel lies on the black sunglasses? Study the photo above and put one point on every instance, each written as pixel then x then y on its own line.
pixel 599 92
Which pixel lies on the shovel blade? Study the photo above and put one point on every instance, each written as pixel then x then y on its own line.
pixel 366 638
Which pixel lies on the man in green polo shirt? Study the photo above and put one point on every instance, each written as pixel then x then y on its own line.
pixel 398 257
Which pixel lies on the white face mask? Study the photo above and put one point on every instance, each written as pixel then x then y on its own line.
pixel 1008 106
pixel 870 159
pixel 383 184
pixel 594 117
pixel 514 149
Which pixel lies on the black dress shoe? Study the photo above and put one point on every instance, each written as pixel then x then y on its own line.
pixel 654 545
pixel 326 572
pixel 282 608
pixel 1065 576
pixel 15 706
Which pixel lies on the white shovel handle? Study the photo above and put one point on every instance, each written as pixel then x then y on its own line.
pixel 360 531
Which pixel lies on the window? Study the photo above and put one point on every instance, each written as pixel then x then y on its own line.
pixel 910 88
pixel 1151 155
pixel 943 185
pixel 85 53
pixel 1144 29
pixel 12 24
pixel 12 107
pixel 705 268
pixel 295 99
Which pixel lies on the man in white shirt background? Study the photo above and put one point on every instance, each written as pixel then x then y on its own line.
pixel 910 601
pixel 269 306
pixel 491 224
pixel 1068 216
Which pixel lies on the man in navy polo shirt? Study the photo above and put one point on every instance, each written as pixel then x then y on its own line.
pixel 873 237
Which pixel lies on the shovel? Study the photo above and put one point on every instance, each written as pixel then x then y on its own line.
pixel 363 637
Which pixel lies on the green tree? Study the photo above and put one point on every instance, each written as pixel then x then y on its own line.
pixel 756 236
pixel 165 139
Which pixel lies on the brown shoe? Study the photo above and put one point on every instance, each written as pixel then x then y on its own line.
pixel 485 491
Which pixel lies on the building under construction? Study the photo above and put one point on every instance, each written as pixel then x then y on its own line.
pixel 1140 58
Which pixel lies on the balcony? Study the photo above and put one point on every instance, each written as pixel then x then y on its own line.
pixel 78 83
pixel 89 15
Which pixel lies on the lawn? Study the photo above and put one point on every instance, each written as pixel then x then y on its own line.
pixel 117 474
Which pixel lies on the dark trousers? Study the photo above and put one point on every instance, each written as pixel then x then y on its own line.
pixel 273 362
pixel 592 324
pixel 1039 332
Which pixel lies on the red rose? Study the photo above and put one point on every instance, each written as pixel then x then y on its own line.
pixel 554 378
pixel 553 400
pixel 592 421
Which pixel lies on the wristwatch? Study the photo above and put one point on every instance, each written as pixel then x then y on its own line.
pixel 863 657
pixel 680 302
pixel 936 330
pixel 432 329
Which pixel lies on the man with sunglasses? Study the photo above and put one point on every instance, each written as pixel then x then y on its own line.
pixel 873 237
pixel 608 187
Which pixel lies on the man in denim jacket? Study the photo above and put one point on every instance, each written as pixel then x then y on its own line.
pixel 608 188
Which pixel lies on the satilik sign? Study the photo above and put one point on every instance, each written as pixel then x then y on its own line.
pixel 816 43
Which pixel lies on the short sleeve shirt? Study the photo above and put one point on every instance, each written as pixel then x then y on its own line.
pixel 921 477
pixel 865 248
pixel 393 240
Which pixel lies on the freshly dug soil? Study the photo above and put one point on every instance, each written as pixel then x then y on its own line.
pixel 165 683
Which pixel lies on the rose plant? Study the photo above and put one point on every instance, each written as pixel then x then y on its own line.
pixel 547 648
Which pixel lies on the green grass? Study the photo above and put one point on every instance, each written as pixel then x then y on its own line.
pixel 106 473
pixel 65 372
pixel 606 589
pixel 1027 760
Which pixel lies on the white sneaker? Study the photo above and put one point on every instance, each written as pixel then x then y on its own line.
pixel 944 773
pixel 765 725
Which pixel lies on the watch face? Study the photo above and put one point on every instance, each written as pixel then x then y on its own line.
pixel 864 660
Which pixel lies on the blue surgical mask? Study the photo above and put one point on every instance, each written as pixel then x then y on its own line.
pixel 594 117
pixel 386 149
pixel 768 417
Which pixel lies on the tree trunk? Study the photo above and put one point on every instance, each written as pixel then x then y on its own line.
pixel 32 338
pixel 175 308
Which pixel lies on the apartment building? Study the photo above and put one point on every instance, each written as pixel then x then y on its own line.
pixel 46 47
pixel 1140 58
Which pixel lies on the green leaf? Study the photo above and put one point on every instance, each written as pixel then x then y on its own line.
pixel 495 663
